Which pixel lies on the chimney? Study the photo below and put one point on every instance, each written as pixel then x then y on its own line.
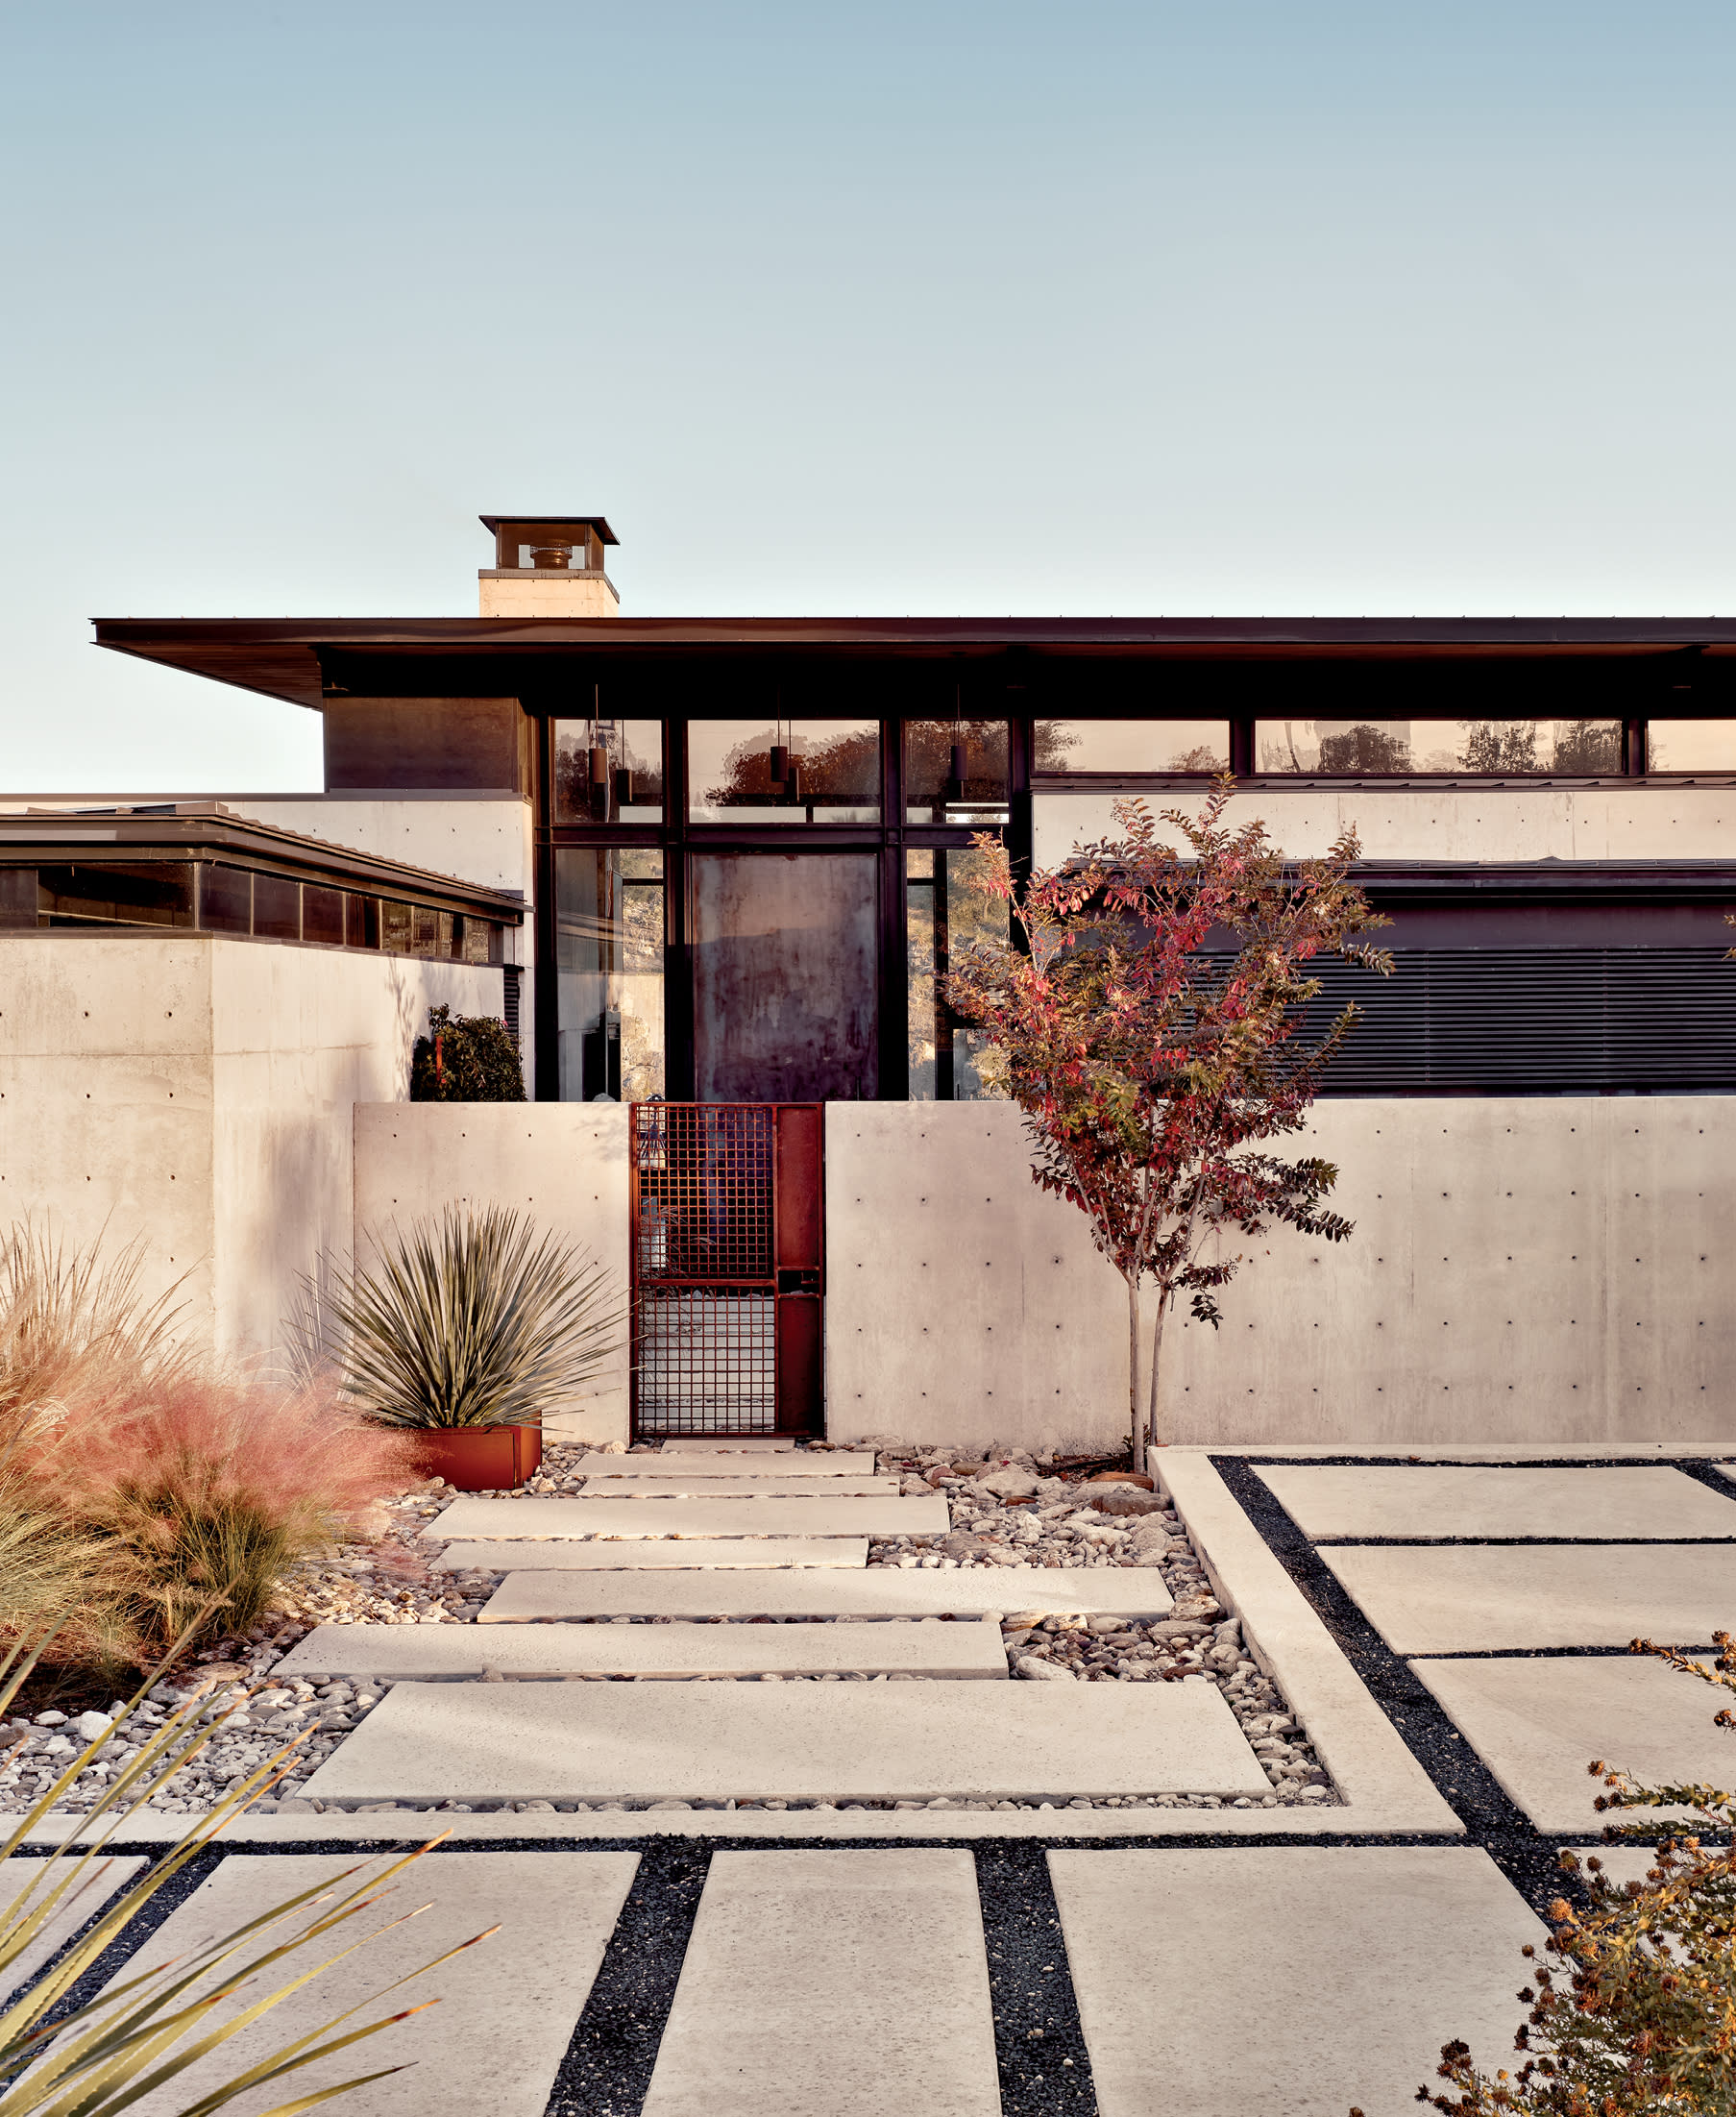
pixel 547 566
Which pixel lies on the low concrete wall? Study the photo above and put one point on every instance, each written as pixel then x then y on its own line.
pixel 1523 1268
pixel 197 1090
pixel 565 1163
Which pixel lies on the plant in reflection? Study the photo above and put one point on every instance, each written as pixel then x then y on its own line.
pixel 1152 1027
pixel 1636 2012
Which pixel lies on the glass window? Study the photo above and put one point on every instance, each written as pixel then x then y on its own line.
pixel 1498 749
pixel 935 792
pixel 1691 746
pixel 277 907
pixel 18 896
pixel 946 913
pixel 788 771
pixel 1062 748
pixel 630 789
pixel 361 922
pixel 609 932
pixel 478 940
pixel 396 927
pixel 155 893
pixel 225 899
pixel 323 915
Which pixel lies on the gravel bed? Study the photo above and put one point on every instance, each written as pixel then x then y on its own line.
pixel 1006 1509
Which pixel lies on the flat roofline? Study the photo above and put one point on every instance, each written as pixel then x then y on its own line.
pixel 280 658
pixel 55 838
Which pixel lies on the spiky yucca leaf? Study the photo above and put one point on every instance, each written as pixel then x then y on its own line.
pixel 470 1319
pixel 145 2031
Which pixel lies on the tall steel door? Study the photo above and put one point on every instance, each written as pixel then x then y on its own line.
pixel 728 1268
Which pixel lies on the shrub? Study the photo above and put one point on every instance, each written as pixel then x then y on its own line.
pixel 70 1588
pixel 1640 2013
pixel 470 1059
pixel 206 1490
pixel 471 1320
pixel 66 1321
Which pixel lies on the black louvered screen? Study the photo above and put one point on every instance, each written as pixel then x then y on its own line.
pixel 1534 1021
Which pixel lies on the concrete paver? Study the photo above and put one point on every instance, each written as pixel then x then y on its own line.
pixel 826 1468
pixel 790 1741
pixel 923 1648
pixel 506 2008
pixel 633 1554
pixel 1537 1723
pixel 730 1444
pixel 1307 1978
pixel 674 1485
pixel 1471 1599
pixel 848 1983
pixel 102 1880
pixel 477 1519
pixel 871 1591
pixel 1435 1500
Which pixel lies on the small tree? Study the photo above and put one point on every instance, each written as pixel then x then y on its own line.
pixel 470 1059
pixel 1149 1029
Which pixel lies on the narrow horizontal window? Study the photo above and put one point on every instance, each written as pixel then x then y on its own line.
pixel 783 772
pixel 1065 750
pixel 1691 746
pixel 1493 748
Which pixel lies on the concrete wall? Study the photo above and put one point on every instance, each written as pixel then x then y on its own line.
pixel 197 1090
pixel 1473 824
pixel 565 1163
pixel 1524 1269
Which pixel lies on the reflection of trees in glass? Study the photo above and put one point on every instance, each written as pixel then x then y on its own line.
pixel 1587 749
pixel 1202 757
pixel 1498 746
pixel 928 761
pixel 636 744
pixel 1050 742
pixel 841 771
pixel 1370 746
pixel 949 914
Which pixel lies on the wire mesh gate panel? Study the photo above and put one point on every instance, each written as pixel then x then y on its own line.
pixel 727 1267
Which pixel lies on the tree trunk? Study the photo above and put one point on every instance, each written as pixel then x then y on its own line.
pixel 1157 1352
pixel 1134 1335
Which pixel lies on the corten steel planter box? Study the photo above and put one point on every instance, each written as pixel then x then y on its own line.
pixel 479 1458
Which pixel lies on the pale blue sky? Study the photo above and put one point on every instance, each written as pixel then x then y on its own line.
pixel 940 307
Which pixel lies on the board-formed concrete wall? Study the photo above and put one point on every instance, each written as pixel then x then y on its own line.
pixel 196 1090
pixel 1642 822
pixel 563 1163
pixel 1523 1268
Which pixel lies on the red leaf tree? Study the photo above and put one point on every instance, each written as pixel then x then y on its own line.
pixel 1150 1017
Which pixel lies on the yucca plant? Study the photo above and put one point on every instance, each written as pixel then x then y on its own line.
pixel 140 2034
pixel 470 1319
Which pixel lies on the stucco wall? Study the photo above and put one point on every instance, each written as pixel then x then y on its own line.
pixel 565 1163
pixel 1653 821
pixel 197 1090
pixel 1524 1269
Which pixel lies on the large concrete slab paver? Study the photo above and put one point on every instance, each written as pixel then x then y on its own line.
pixel 925 1647
pixel 673 1485
pixel 1306 1979
pixel 871 1591
pixel 790 1741
pixel 84 1899
pixel 730 1444
pixel 506 2008
pixel 805 1465
pixel 477 1519
pixel 639 1554
pixel 1537 1723
pixel 848 1983
pixel 1475 1599
pixel 1437 1500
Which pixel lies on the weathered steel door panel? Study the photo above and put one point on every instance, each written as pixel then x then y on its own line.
pixel 728 1268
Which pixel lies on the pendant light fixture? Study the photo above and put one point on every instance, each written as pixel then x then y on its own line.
pixel 599 761
pixel 778 764
pixel 960 761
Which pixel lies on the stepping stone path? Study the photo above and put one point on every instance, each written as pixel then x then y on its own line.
pixel 1432 1501
pixel 632 1582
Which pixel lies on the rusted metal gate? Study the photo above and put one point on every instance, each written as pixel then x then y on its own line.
pixel 728 1273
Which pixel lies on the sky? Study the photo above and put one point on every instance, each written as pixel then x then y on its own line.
pixel 949 307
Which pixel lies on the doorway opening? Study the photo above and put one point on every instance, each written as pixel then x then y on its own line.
pixel 728 1268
